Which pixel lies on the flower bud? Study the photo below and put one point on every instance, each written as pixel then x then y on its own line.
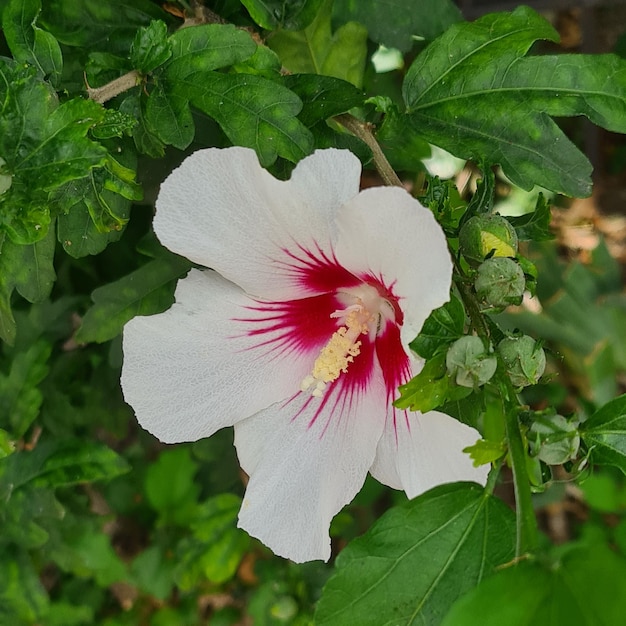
pixel 500 282
pixel 485 235
pixel 524 359
pixel 469 363
pixel 554 440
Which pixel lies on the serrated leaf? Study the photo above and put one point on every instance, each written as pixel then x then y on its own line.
pixel 586 587
pixel 396 23
pixel 147 290
pixel 96 208
pixel 44 146
pixel 196 51
pixel 20 396
pixel 29 43
pixel 534 226
pixel 322 96
pixel 317 50
pixel 473 93
pixel 418 558
pixel 292 15
pixel 253 112
pixel 604 434
pixel 216 547
pixel 442 327
pixel 431 388
pixel 151 47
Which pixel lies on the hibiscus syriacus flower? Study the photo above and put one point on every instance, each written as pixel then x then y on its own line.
pixel 298 336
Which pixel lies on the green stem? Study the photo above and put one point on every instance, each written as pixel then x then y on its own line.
pixel 527 533
pixel 362 131
pixel 471 305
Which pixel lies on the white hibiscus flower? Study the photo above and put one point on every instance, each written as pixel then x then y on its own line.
pixel 298 336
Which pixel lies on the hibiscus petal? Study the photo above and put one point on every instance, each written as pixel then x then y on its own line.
pixel 420 451
pixel 390 236
pixel 307 458
pixel 193 369
pixel 221 209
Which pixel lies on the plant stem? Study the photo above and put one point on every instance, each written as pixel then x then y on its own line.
pixel 115 87
pixel 362 131
pixel 527 533
pixel 471 305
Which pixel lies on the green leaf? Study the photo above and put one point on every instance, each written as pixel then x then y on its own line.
pixel 253 112
pixel 404 149
pixel 44 146
pixel 604 433
pixel 20 397
pixel 96 208
pixel 169 117
pixel 442 327
pixel 147 290
pixel 114 124
pixel 317 50
pixel 534 226
pixel 473 93
pixel 418 559
pixel 153 572
pixel 60 463
pixel 146 140
pixel 98 25
pixel 216 547
pixel 170 487
pixel 28 43
pixel 198 49
pixel 23 599
pixel 322 96
pixel 206 48
pixel 292 15
pixel 396 23
pixel 586 587
pixel 151 47
pixel 430 388
pixel 27 268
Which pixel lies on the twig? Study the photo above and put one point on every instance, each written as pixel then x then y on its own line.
pixel 363 132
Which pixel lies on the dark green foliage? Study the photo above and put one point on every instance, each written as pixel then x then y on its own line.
pixel 99 101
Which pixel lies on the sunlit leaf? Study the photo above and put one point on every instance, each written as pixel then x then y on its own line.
pixel 473 93
pixel 413 563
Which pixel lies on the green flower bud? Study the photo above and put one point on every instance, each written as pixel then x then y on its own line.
pixel 553 439
pixel 500 282
pixel 485 235
pixel 524 359
pixel 469 363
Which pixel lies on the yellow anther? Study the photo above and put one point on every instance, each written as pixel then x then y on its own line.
pixel 339 352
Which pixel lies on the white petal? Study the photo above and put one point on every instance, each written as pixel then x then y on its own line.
pixel 302 474
pixel 389 234
pixel 189 371
pixel 427 454
pixel 222 210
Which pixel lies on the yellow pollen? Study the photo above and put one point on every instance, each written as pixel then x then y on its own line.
pixel 340 350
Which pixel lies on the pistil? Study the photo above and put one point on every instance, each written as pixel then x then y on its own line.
pixel 341 349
